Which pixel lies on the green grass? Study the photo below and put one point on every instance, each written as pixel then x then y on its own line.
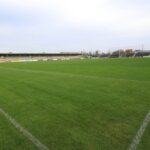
pixel 76 104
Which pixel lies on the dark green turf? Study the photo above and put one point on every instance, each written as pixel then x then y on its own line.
pixel 77 104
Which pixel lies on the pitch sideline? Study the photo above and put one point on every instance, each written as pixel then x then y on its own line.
pixel 25 132
pixel 140 133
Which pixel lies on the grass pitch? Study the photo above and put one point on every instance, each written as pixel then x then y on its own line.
pixel 76 104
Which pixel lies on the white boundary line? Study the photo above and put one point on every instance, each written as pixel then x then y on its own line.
pixel 40 146
pixel 140 132
pixel 26 133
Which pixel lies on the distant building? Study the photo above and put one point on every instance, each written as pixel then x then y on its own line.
pixel 141 53
pixel 13 57
pixel 37 54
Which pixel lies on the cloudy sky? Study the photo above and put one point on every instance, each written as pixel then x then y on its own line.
pixel 73 25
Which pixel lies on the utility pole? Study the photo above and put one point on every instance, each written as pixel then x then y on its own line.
pixel 142 49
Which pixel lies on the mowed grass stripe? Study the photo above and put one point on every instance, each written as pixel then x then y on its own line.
pixel 135 69
pixel 71 75
pixel 24 131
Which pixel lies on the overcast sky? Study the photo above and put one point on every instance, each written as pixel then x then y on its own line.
pixel 73 25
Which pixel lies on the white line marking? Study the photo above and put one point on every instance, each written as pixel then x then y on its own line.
pixel 26 133
pixel 140 133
